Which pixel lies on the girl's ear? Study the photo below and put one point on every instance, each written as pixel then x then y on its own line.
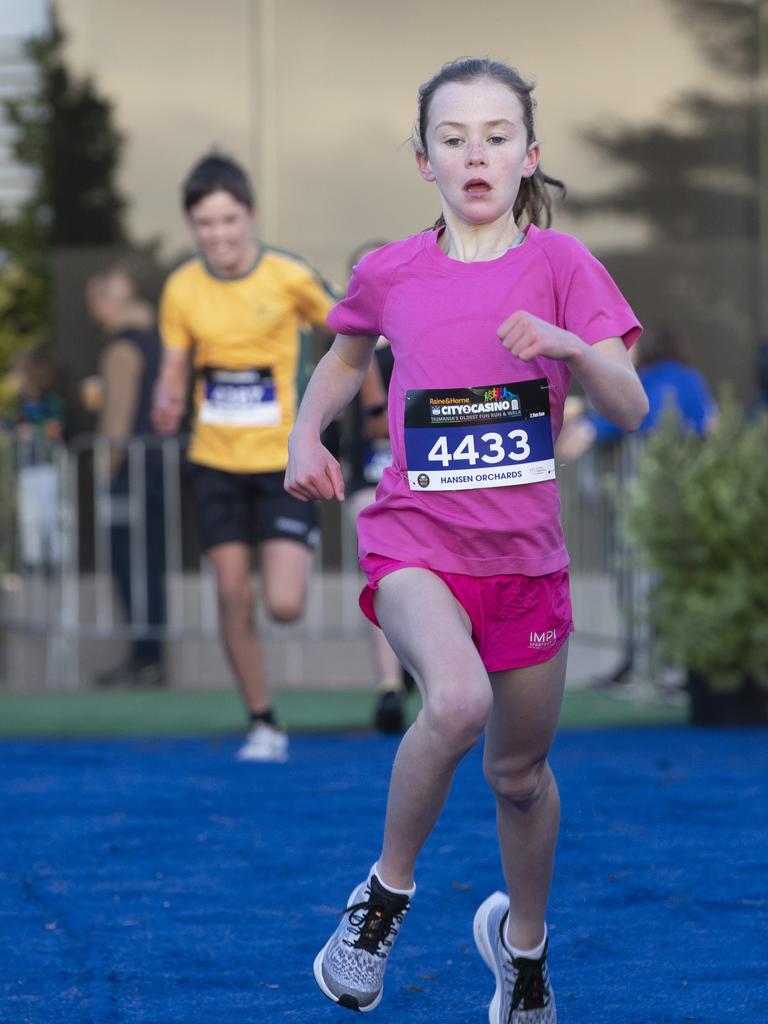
pixel 532 160
pixel 424 169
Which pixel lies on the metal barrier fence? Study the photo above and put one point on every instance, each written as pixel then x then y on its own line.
pixel 610 586
pixel 62 620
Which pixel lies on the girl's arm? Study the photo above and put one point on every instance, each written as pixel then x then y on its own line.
pixel 604 370
pixel 312 471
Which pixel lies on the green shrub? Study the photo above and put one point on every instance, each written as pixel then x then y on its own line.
pixel 698 510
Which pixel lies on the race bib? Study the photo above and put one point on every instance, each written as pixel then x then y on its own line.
pixel 239 398
pixel 465 438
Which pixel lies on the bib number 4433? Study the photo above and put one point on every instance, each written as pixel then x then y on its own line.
pixel 496 447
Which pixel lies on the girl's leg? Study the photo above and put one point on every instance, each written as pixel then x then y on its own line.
pixel 431 635
pixel 383 658
pixel 384 661
pixel 522 723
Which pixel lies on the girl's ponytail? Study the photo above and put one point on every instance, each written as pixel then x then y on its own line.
pixel 534 200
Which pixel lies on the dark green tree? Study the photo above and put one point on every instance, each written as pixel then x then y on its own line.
pixel 64 132
pixel 695 175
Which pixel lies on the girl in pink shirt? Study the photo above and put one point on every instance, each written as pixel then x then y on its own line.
pixel 488 316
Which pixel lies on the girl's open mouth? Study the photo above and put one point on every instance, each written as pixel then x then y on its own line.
pixel 476 186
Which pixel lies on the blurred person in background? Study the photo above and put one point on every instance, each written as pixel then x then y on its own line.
pixel 671 384
pixel 128 371
pixel 238 308
pixel 38 427
pixel 368 453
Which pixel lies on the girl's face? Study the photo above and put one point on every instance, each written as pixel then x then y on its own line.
pixel 477 149
pixel 223 230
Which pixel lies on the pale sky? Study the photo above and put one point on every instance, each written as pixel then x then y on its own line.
pixel 22 17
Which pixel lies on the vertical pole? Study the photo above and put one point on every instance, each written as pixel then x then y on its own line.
pixel 106 508
pixel 265 110
pixel 71 592
pixel 174 568
pixel 762 167
pixel 137 534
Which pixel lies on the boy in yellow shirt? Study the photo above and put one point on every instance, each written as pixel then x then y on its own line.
pixel 238 308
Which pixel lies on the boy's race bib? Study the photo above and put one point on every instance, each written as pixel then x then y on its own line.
pixel 239 398
pixel 462 438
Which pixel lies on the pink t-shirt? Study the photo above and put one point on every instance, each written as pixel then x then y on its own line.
pixel 440 316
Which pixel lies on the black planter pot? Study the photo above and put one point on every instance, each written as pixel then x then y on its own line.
pixel 746 706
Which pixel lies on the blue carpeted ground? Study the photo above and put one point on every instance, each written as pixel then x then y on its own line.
pixel 161 882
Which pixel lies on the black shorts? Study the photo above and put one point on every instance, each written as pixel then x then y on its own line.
pixel 249 508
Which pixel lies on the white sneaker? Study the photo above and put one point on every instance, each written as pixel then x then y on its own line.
pixel 264 743
pixel 349 969
pixel 523 990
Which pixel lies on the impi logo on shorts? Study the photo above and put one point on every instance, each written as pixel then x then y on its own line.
pixel 545 639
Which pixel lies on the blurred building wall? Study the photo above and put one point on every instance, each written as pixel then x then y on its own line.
pixel 317 98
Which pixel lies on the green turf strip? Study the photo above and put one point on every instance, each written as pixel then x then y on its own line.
pixel 190 713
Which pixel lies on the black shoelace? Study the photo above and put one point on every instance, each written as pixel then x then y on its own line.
pixel 530 987
pixel 372 921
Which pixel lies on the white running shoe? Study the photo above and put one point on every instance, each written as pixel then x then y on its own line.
pixel 349 969
pixel 523 991
pixel 264 743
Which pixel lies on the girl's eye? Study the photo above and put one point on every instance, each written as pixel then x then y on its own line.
pixel 497 140
pixel 452 142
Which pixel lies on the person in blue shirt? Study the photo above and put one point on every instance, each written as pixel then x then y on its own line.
pixel 669 382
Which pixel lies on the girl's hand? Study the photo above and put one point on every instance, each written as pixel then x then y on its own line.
pixel 527 337
pixel 312 472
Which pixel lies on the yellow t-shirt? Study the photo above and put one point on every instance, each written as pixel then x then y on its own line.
pixel 245 337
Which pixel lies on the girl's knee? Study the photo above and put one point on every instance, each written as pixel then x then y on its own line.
pixel 458 715
pixel 516 781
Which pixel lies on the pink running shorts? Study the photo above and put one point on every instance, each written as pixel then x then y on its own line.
pixel 516 620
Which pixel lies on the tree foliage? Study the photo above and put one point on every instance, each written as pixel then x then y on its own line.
pixel 695 174
pixel 64 133
pixel 697 511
